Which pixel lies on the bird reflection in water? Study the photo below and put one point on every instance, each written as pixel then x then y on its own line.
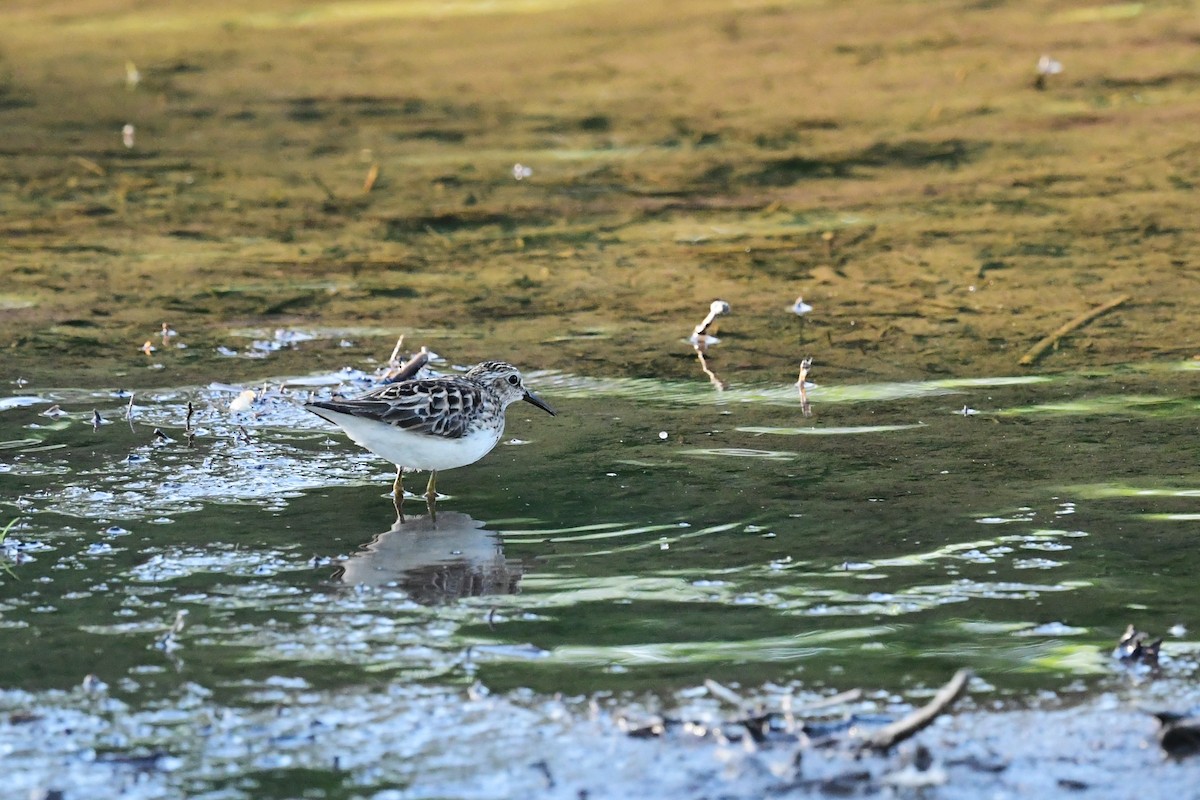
pixel 435 561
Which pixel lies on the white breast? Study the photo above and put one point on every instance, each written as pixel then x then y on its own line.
pixel 414 451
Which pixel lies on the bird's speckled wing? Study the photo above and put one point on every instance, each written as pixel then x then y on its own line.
pixel 434 406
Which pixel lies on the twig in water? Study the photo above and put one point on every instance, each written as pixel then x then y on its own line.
pixel 244 434
pixel 712 376
pixel 4 560
pixel 394 358
pixel 410 368
pixel 89 165
pixel 715 309
pixel 1039 349
pixel 129 408
pixel 700 340
pixel 850 696
pixel 169 641
pixel 724 694
pixel 891 735
pixel 372 176
pixel 329 195
pixel 805 366
pixel 187 424
pixel 544 768
pixel 1136 647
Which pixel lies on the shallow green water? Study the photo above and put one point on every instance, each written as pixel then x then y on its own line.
pixel 651 536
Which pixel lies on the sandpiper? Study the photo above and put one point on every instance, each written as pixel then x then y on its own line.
pixel 433 423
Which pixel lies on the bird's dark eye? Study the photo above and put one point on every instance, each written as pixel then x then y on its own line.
pixel 514 380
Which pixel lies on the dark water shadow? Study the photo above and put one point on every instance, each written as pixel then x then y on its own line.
pixel 907 154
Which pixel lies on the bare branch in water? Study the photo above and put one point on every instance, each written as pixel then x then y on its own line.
pixel 1039 349
pixel 805 366
pixel 716 309
pixel 891 735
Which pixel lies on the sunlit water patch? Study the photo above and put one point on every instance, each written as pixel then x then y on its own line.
pixel 240 551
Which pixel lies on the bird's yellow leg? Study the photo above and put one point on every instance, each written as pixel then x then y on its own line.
pixel 431 496
pixel 398 494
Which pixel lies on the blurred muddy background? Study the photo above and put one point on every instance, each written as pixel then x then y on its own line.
pixel 351 164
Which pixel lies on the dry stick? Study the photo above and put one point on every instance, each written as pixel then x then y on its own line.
pixel 329 195
pixel 90 166
pixel 888 737
pixel 412 366
pixel 850 696
pixel 724 694
pixel 712 376
pixel 394 358
pixel 1039 349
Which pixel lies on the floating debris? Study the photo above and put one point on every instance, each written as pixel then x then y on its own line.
pixel 521 172
pixel 281 338
pixel 802 379
pixel 54 412
pixel 700 334
pixel 891 735
pixel 1135 647
pixel 187 425
pixel 369 181
pixel 967 411
pixel 133 76
pixel 127 136
pixel 398 370
pixel 701 340
pixel 1046 66
pixel 97 420
pixel 92 684
pixel 169 641
pixel 1051 341
pixel 918 770
pixel 800 308
pixel 148 347
pixel 715 379
pixel 802 385
pixel 243 402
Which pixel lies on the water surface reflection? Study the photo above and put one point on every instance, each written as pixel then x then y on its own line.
pixel 435 560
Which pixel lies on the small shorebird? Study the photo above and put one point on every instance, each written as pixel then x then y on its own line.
pixel 434 423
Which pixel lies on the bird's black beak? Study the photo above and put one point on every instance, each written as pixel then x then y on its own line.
pixel 533 399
